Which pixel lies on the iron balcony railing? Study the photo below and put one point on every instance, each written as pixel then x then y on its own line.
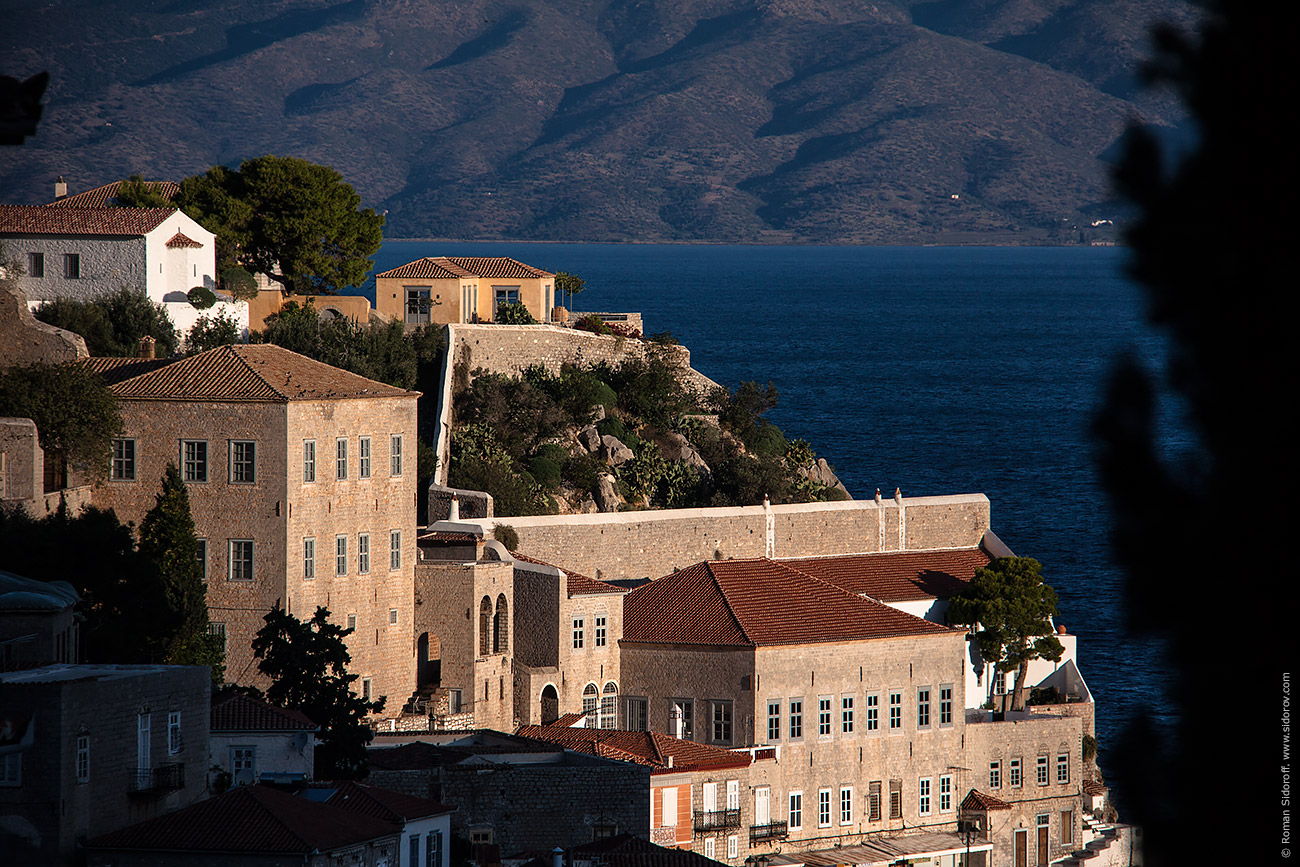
pixel 716 820
pixel 770 831
pixel 165 778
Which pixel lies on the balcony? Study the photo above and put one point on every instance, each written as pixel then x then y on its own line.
pixel 716 820
pixel 770 831
pixel 155 781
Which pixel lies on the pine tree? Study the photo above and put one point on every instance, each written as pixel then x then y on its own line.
pixel 307 663
pixel 177 599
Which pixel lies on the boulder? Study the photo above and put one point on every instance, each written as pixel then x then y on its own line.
pixel 589 437
pixel 614 452
pixel 821 472
pixel 606 494
pixel 677 448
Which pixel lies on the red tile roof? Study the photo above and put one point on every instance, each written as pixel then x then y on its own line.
pixel 626 850
pixel 242 713
pixel 251 819
pixel 574 584
pixel 180 239
pixel 101 197
pixel 116 222
pixel 898 576
pixel 978 800
pixel 253 373
pixel 384 804
pixel 455 267
pixel 755 603
pixel 1092 787
pixel 643 748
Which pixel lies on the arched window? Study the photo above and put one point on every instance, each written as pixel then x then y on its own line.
pixel 550 705
pixel 609 707
pixel 501 627
pixel 485 627
pixel 590 705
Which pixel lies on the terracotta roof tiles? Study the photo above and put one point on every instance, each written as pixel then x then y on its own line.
pixel 455 267
pixel 42 220
pixel 242 713
pixel 757 603
pixel 101 197
pixel 897 576
pixel 644 748
pixel 180 239
pixel 385 804
pixel 242 373
pixel 978 800
pixel 575 584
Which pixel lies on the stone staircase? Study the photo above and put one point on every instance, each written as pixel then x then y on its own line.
pixel 1108 844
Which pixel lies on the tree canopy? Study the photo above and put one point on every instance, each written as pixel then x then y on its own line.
pixel 308 666
pixel 135 193
pixel 1014 610
pixel 76 415
pixel 568 284
pixel 113 324
pixel 297 222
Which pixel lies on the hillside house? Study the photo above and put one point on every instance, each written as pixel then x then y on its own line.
pixel 445 290
pixel 254 741
pixel 302 483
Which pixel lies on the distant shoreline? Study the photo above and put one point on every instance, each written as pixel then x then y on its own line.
pixel 719 243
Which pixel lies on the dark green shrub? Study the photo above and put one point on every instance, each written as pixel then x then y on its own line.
pixel 113 324
pixel 545 471
pixel 241 285
pixel 581 472
pixel 611 426
pixel 513 313
pixel 209 332
pixel 506 535
pixel 767 440
pixel 554 452
pixel 201 297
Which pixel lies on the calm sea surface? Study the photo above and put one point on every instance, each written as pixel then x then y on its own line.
pixel 934 370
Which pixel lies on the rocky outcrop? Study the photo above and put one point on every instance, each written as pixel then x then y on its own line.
pixel 820 471
pixel 614 452
pixel 606 494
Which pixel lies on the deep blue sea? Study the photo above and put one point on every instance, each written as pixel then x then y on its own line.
pixel 937 370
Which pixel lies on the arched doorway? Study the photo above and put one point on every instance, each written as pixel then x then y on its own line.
pixel 428 655
pixel 550 705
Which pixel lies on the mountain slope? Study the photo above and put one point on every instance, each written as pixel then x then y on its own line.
pixel 780 120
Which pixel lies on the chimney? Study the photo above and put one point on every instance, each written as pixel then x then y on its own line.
pixel 60 188
pixel 557 857
pixel 454 513
pixel 670 761
pixel 147 347
pixel 677 722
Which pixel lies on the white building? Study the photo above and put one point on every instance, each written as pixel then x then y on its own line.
pixel 84 253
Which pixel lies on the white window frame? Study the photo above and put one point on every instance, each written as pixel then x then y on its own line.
pixel 123 469
pixel 1042 774
pixel 308 461
pixel 392 617
pixel 395 455
pixel 231 560
pixel 846 714
pixel 309 558
pixel 174 741
pixel 923 796
pixel 733 794
pixel 824 705
pixel 191 466
pixel 363 458
pixel 1015 773
pixel 795 815
pixel 710 848
pixel 579 633
pixel 243 462
pixel 340 555
pixel 995 774
pixel 83 758
pixel 600 630
pixel 721 721
pixel 341 459
pixel 945 793
pixel 394 550
pixel 1063 768
pixel 363 553
pixel 733 846
pixel 873 713
pixel 823 808
pixel 895 712
pixel 668 797
pixel 846 805
pixel 796 718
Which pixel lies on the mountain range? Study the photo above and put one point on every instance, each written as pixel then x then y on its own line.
pixel 771 121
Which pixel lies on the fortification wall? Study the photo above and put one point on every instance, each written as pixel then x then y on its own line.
pixel 652 544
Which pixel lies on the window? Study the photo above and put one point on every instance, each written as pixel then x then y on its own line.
pixel 394 550
pixel 243 764
pixel 609 706
pixel 309 460
pixel 733 794
pixel 1042 770
pixel 363 458
pixel 241 560
pixel 686 708
pixel 174 742
pixel 945 793
pixel 308 559
pixel 600 630
pixel 36 265
pixel 774 720
pixel 824 715
pixel 895 711
pixel 433 850
pixel 945 705
pixel 83 758
pixel 11 769
pixel 395 455
pixel 72 266
pixel 201 554
pixel 1067 826
pixel 733 846
pixel 846 714
pixel 796 811
pixel 873 802
pixel 484 626
pixel 923 707
pixel 923 796
pixel 1015 777
pixel 1063 768
pixel 194 460
pixel 219 630
pixel 721 722
pixel 340 458
pixel 363 553
pixel 352 622
pixel 1000 683
pixel 796 718
pixel 995 775
pixel 392 617
pixel 365 688
pixel 242 469
pixel 413 855
pixel 895 799
pixel 638 714
pixel 123 460
pixel 591 705
pixel 846 805
pixel 578 633
pixel 668 807
pixel 711 848
pixel 505 295
pixel 873 712
pixel 340 555
pixel 824 808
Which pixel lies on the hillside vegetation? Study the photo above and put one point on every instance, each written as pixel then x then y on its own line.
pixel 736 120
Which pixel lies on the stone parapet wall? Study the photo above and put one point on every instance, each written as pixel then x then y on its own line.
pixel 654 543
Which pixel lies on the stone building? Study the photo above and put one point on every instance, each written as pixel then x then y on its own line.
pixel 38 623
pixel 444 290
pixel 862 704
pixel 88 749
pixel 256 742
pixel 302 484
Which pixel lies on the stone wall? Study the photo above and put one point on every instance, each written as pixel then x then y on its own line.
pixel 654 543
pixel 27 340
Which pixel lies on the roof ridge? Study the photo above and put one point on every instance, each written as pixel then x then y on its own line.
pixel 858 596
pixel 728 604
pixel 275 814
pixel 244 361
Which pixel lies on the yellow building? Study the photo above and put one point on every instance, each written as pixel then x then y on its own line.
pixel 445 290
